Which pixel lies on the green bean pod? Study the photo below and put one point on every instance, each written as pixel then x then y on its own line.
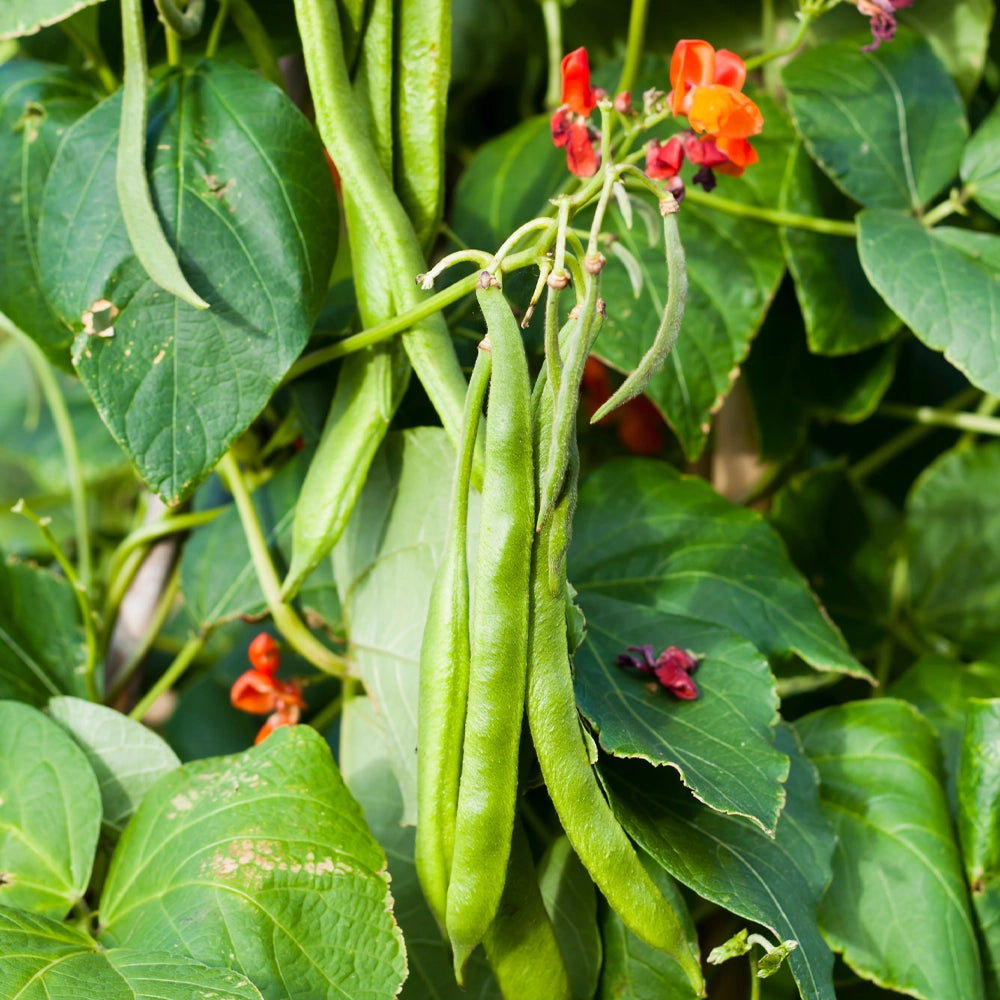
pixel 670 323
pixel 183 23
pixel 487 795
pixel 444 673
pixel 142 224
pixel 521 944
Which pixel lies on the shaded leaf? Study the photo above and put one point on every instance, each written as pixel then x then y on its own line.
pixel 734 267
pixel 952 545
pixel 25 17
pixel 978 832
pixel 245 193
pixel 126 756
pixel 843 314
pixel 981 163
pixel 721 743
pixel 273 854
pixel 45 960
pixel 887 126
pixel 38 102
pixel 384 565
pixel 943 283
pixel 729 860
pixel 647 535
pixel 881 789
pixel 42 651
pixel 50 814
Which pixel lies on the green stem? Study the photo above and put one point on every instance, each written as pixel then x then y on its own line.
pixel 173 47
pixel 324 718
pixel 82 598
pixel 776 217
pixel 93 53
pixel 183 23
pixel 634 45
pixel 886 452
pixel 215 34
pixel 552 16
pixel 754 978
pixel 285 618
pixel 804 21
pixel 955 202
pixel 987 406
pixel 897 595
pixel 258 41
pixel 934 417
pixel 67 441
pixel 170 676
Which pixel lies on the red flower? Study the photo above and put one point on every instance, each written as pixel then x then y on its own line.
pixel 672 668
pixel 569 123
pixel 263 654
pixel 577 93
pixel 258 691
pixel 664 160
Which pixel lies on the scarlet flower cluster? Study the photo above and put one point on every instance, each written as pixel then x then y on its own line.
pixel 707 89
pixel 672 668
pixel 259 692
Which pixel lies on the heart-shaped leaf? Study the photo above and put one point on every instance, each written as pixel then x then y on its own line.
pixel 244 193
pixel 645 534
pixel 273 854
pixel 45 960
pixel 126 756
pixel 50 814
pixel 721 743
pixel 881 790
pixel 38 102
pixel 943 283
pixel 42 652
pixel 776 881
pixel 888 126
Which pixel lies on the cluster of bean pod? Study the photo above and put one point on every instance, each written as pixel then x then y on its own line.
pixel 483 672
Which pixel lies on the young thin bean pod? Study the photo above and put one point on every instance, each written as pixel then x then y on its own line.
pixel 444 673
pixel 670 323
pixel 487 794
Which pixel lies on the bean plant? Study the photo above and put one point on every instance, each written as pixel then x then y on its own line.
pixel 498 499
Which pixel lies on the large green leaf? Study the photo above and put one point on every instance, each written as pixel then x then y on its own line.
pixel 887 126
pixel 645 534
pixel 944 284
pixel 734 268
pixel 42 652
pixel 45 960
pixel 273 855
pixel 384 564
pixel 25 17
pixel 38 102
pixel 50 813
pixel 981 163
pixel 842 313
pixel 776 881
pixel 368 771
pixel 897 906
pixel 126 756
pixel 978 831
pixel 244 193
pixel 953 544
pixel 721 743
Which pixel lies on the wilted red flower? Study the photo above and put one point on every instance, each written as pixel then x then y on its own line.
pixel 883 19
pixel 672 668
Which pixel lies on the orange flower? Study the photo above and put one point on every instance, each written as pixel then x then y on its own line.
pixel 258 691
pixel 695 63
pixel 577 93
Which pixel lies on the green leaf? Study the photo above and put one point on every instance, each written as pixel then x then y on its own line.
pixel 952 543
pixel 981 163
pixel 842 312
pixel 42 652
pixel 126 756
pixel 881 789
pixel 887 126
pixel 38 102
pixel 50 814
pixel 941 688
pixel 45 960
pixel 943 283
pixel 734 267
pixel 508 182
pixel 368 771
pixel 387 558
pixel 273 855
pixel 645 534
pixel 571 902
pixel 978 832
pixel 721 743
pixel 25 17
pixel 632 970
pixel 775 881
pixel 245 194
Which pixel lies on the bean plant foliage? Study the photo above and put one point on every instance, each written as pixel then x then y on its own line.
pixel 498 498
